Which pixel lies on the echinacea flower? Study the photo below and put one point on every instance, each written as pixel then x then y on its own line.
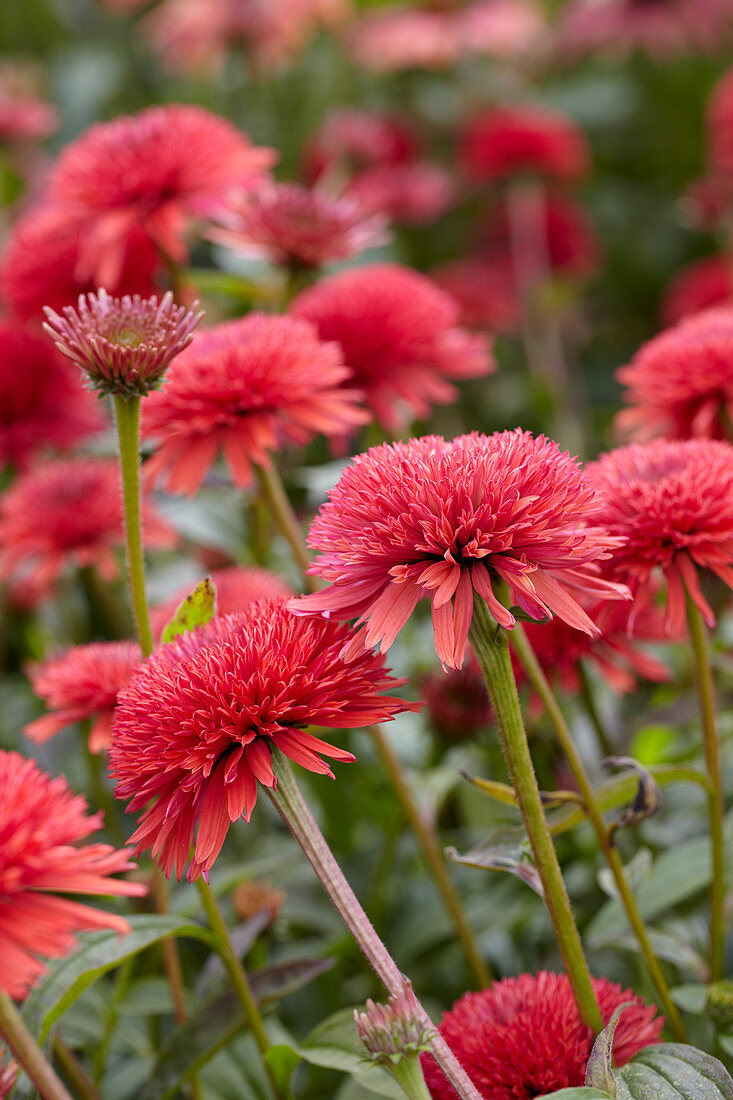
pixel 42 403
pixel 504 29
pixel 720 127
pixel 394 1031
pixel 485 290
pixel 299 228
pixel 524 1037
pixel 24 117
pixel 504 142
pixel 350 140
pixel 80 684
pixel 671 505
pixel 246 387
pixel 67 513
pixel 404 37
pixel 154 171
pixel 569 241
pixel 123 345
pixel 700 285
pixel 39 264
pixel 412 193
pixel 457 702
pixel 399 335
pixel 445 520
pixel 194 729
pixel 253 898
pixel 237 587
pixel 659 28
pixel 680 383
pixel 42 859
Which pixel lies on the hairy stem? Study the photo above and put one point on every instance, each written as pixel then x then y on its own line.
pixel 74 1071
pixel 286 520
pixel 127 418
pixel 28 1054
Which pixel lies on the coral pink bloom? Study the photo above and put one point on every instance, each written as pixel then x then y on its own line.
pixel 457 701
pixel 399 336
pixel 194 730
pixel 570 243
pixel 23 117
pixel 351 140
pixel 413 193
pixel 67 513
pixel 485 291
pixel 236 588
pixel 680 383
pixel 660 28
pixel 299 228
pixel 81 684
pixel 444 520
pixel 505 29
pixel 698 286
pixel 246 387
pixel 671 504
pixel 405 38
pixel 42 824
pixel 155 171
pixel 524 1037
pixel 508 141
pixel 42 401
pixel 720 127
pixel 39 265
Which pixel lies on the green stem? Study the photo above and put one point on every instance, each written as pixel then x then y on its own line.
pixel 74 1071
pixel 428 841
pixel 127 418
pixel 122 982
pixel 169 948
pixel 238 978
pixel 408 1075
pixel 711 743
pixel 589 702
pixel 282 511
pixel 28 1054
pixel 490 645
pixel 592 808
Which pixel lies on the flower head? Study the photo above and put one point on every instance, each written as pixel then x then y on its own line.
pixel 399 336
pixel 123 345
pixel 156 171
pixel 42 824
pixel 405 38
pixel 570 243
pixel 720 128
pixel 457 702
pixel 351 140
pixel 680 383
pixel 246 387
pixel 413 193
pixel 300 228
pixel 237 587
pixel 194 729
pixel 671 504
pixel 23 117
pixel 485 291
pixel 42 404
pixel 67 513
pixel 660 28
pixel 80 684
pixel 444 520
pixel 395 1031
pixel 253 897
pixel 698 286
pixel 508 141
pixel 524 1037
pixel 505 29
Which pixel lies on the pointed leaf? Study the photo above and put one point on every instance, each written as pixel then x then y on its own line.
pixel 674 1071
pixel 599 1070
pixel 197 609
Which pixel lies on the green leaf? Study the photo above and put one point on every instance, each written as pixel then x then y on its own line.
pixel 98 953
pixel 674 1071
pixel 197 609
pixel 334 1044
pixel 282 1060
pixel 575 1094
pixel 691 997
pixel 599 1070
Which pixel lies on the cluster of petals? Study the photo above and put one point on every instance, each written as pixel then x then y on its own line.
pixel 24 116
pixel 680 383
pixel 237 586
pixel 194 729
pixel 484 288
pixel 123 345
pixel 659 28
pixel 566 237
pixel 409 193
pixel 671 505
pixel 246 387
pixel 393 1031
pixel 350 140
pixel 42 403
pixel 298 227
pixel 40 264
pixel 155 171
pixel 700 285
pixel 446 520
pixel 399 336
pixel 67 513
pixel 502 142
pixel 524 1036
pixel 82 684
pixel 457 701
pixel 43 859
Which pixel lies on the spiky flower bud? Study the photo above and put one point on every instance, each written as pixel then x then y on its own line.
pixel 719 1005
pixel 394 1035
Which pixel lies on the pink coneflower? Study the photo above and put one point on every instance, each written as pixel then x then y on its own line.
pixel 414 193
pixel 246 387
pixel 570 244
pixel 24 117
pixel 698 286
pixel 399 336
pixel 350 140
pixel 505 29
pixel 41 859
pixel 672 505
pixel 680 383
pixel 193 731
pixel 502 142
pixel 720 127
pixel 155 171
pixel 236 588
pixel 81 684
pixel 405 38
pixel 300 228
pixel 660 28
pixel 42 403
pixel 524 1037
pixel 67 513
pixel 123 345
pixel 485 290
pixel 444 520
pixel 40 264
pixel 457 701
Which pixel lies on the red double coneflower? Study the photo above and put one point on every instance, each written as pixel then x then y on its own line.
pixel 449 520
pixel 524 139
pixel 42 859
pixel 193 731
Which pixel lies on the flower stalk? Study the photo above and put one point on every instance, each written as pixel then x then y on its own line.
pixel 282 511
pixel 127 419
pixel 489 642
pixel 294 811
pixel 28 1054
